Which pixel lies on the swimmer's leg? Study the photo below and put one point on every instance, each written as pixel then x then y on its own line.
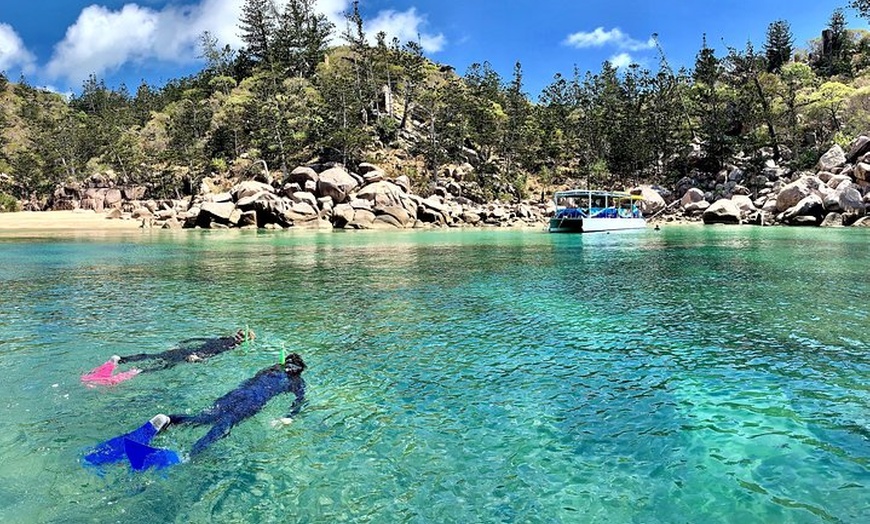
pixel 135 358
pixel 194 420
pixel 220 430
pixel 161 365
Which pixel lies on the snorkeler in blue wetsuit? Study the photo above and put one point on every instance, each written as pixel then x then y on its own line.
pixel 191 350
pixel 247 400
pixel 236 406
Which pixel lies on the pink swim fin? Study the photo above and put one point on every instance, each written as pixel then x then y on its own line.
pixel 103 376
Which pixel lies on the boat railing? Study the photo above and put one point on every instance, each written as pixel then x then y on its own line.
pixel 570 213
pixel 598 212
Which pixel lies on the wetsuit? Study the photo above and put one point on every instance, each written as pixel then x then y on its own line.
pixel 187 351
pixel 245 401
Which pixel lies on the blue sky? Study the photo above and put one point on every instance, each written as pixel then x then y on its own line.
pixel 58 43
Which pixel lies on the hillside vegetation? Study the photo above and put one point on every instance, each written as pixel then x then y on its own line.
pixel 299 93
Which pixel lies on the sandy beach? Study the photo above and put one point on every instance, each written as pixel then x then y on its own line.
pixel 79 220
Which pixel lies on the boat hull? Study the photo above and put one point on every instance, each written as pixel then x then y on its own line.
pixel 594 225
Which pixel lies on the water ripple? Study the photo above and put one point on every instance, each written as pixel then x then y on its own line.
pixel 461 377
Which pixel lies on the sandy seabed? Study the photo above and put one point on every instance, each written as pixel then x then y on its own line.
pixel 79 220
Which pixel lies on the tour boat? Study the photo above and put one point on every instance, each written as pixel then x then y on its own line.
pixel 588 211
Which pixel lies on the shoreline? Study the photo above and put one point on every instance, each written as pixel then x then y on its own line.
pixel 84 221
pixel 78 220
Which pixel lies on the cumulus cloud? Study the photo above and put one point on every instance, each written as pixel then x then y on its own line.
pixel 621 60
pixel 405 25
pixel 103 40
pixel 614 37
pixel 334 10
pixel 12 51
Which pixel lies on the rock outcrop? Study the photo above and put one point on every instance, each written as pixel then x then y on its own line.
pixel 836 194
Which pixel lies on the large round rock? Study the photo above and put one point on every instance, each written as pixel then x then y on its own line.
pixel 336 183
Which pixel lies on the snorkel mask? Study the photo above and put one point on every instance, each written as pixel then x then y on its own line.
pixel 292 363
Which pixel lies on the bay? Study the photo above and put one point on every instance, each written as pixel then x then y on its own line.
pixel 685 375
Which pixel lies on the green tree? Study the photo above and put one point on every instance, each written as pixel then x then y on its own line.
pixel 826 110
pixel 412 66
pixel 791 87
pixel 189 120
pixel 344 132
pixel 712 108
pixel 779 45
pixel 146 100
pixel 301 38
pixel 516 141
pixel 284 121
pixel 666 122
pixel 484 106
pixel 258 24
pixel 744 76
pixel 552 113
pixel 218 60
pixel 834 57
pixel 107 114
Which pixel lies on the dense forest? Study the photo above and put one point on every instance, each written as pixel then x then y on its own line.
pixel 302 91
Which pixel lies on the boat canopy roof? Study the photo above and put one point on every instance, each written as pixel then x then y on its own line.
pixel 590 192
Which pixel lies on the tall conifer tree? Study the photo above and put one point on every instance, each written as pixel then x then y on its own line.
pixel 779 45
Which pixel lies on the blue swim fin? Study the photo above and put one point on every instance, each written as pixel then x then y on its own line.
pixel 143 457
pixel 113 450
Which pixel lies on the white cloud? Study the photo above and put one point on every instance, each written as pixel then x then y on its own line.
pixel 405 26
pixel 103 40
pixel 599 38
pixel 12 51
pixel 621 60
pixel 334 11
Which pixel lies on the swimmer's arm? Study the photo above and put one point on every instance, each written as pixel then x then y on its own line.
pixel 299 390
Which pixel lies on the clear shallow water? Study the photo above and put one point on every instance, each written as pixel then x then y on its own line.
pixel 687 375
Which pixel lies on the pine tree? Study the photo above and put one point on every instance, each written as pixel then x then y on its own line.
pixel 751 100
pixel 301 38
pixel 779 45
pixel 552 113
pixel 412 61
pixel 354 35
pixel 218 60
pixel 258 25
pixel 707 66
pixel 485 110
pixel 517 109
pixel 834 57
pixel 711 107
pixel 841 49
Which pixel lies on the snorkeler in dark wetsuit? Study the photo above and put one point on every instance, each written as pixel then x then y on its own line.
pixel 247 400
pixel 190 350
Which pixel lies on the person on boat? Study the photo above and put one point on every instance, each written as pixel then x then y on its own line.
pixel 191 350
pixel 247 400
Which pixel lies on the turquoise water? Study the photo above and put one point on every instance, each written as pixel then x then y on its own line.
pixel 687 375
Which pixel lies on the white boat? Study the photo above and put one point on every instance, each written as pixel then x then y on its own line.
pixel 589 211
